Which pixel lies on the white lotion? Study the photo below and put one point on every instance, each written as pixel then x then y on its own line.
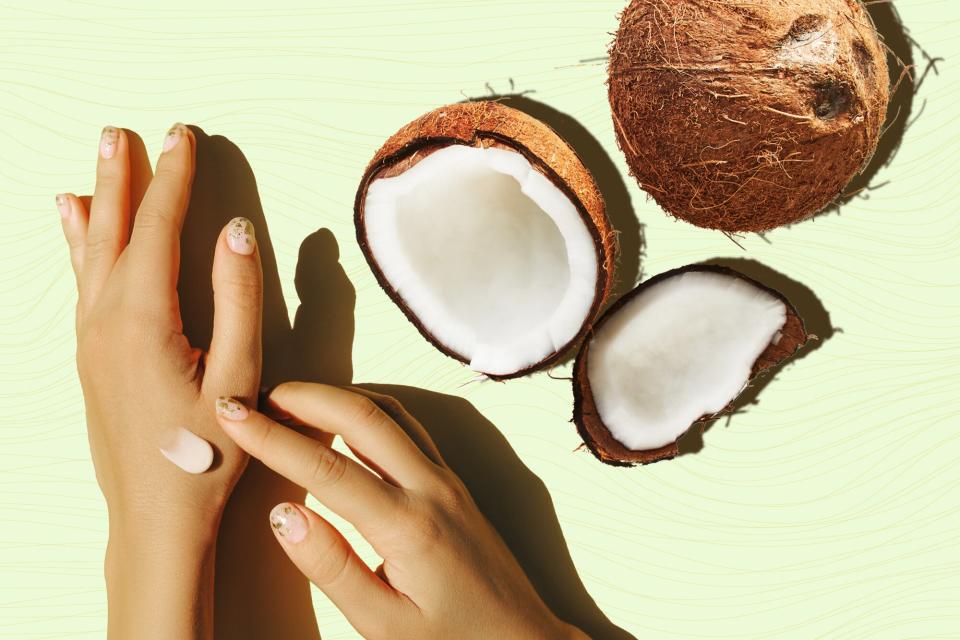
pixel 187 450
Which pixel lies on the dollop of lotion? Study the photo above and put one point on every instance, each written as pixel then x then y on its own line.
pixel 187 450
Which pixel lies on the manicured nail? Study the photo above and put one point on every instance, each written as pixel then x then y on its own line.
pixel 174 134
pixel 63 205
pixel 240 236
pixel 288 522
pixel 108 142
pixel 231 409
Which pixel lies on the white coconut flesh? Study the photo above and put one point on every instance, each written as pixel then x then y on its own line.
pixel 681 349
pixel 491 257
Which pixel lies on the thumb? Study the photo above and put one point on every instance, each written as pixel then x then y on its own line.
pixel 322 554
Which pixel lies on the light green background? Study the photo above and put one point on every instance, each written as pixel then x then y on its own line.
pixel 830 509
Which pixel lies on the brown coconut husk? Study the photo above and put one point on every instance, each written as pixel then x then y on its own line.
pixel 728 124
pixel 595 434
pixel 486 124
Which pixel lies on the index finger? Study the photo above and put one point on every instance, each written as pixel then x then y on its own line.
pixel 364 427
pixel 342 485
pixel 155 241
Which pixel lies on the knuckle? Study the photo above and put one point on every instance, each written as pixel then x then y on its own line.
pixel 423 528
pixel 391 405
pixel 243 286
pixel 366 410
pixel 327 466
pixel 173 173
pixel 331 562
pixel 110 177
pixel 100 244
pixel 155 219
pixel 264 439
pixel 450 492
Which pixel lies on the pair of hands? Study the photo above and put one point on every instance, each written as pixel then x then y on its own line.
pixel 446 571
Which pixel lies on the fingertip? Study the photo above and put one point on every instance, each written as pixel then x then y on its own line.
pixel 241 236
pixel 110 140
pixel 175 134
pixel 63 205
pixel 73 219
pixel 231 409
pixel 289 523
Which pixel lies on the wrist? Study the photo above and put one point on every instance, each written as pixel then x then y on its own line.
pixel 158 580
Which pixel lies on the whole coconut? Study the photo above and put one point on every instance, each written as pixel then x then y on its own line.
pixel 745 116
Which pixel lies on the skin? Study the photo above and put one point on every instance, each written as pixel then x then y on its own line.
pixel 446 571
pixel 141 377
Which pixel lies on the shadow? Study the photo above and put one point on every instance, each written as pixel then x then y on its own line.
pixel 900 57
pixel 816 321
pixel 258 591
pixel 632 245
pixel 322 339
pixel 224 188
pixel 512 498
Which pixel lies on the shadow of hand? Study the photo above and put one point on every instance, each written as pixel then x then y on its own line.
pixel 259 593
pixel 515 501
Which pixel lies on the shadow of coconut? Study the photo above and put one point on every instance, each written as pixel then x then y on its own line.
pixel 616 196
pixel 900 50
pixel 815 318
pixel 515 501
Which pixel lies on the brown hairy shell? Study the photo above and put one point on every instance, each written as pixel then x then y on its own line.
pixel 486 124
pixel 595 434
pixel 745 116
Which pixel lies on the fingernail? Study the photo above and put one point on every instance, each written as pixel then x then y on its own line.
pixel 288 522
pixel 63 206
pixel 108 142
pixel 240 236
pixel 174 134
pixel 231 409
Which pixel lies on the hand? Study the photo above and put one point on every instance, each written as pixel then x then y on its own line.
pixel 446 572
pixel 141 379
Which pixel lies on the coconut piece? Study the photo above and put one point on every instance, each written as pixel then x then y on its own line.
pixel 488 232
pixel 745 116
pixel 674 352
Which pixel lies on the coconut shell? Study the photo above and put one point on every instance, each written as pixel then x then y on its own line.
pixel 745 116
pixel 485 124
pixel 595 434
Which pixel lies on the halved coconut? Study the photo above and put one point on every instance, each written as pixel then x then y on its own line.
pixel 489 233
pixel 674 352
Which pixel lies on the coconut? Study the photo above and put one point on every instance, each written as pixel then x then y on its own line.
pixel 673 353
pixel 745 116
pixel 489 233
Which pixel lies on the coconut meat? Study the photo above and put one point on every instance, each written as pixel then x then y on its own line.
pixel 681 349
pixel 493 259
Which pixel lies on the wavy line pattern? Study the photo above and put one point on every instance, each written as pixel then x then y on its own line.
pixel 827 510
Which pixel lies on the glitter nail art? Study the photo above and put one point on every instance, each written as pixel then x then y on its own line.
pixel 231 409
pixel 108 142
pixel 62 205
pixel 288 522
pixel 174 134
pixel 240 236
